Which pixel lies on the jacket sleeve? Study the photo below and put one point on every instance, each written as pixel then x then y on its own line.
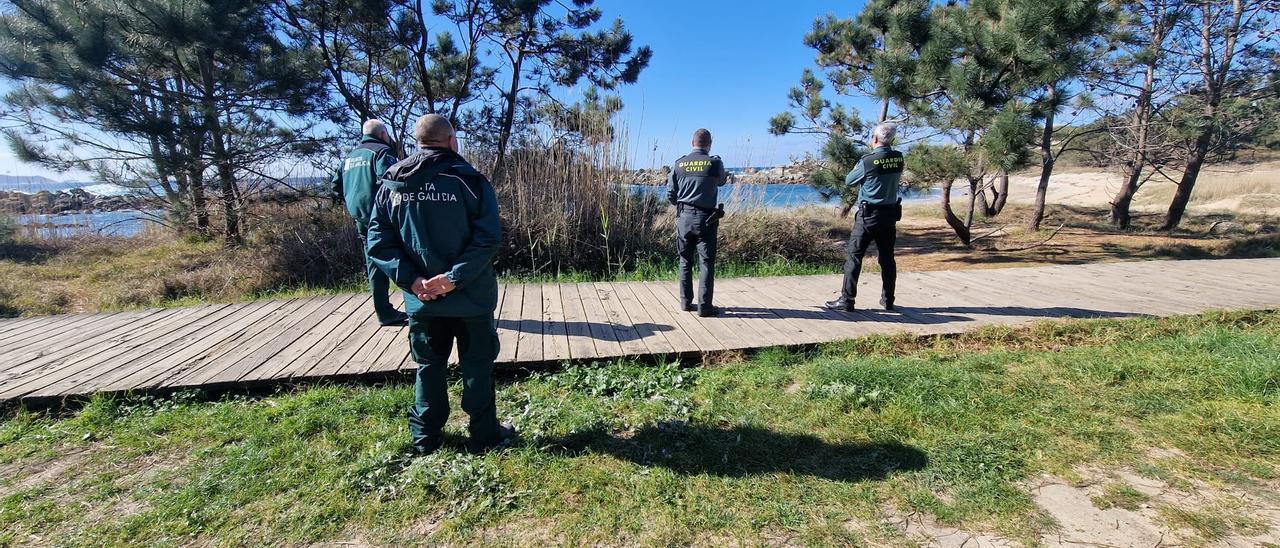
pixel 486 234
pixel 386 248
pixel 856 176
pixel 381 164
pixel 335 185
pixel 671 186
pixel 722 174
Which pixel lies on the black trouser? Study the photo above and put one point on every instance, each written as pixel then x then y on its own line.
pixel 431 341
pixel 873 224
pixel 696 231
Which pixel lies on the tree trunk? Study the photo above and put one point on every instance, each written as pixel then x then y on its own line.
pixel 192 160
pixel 884 110
pixel 1120 216
pixel 975 189
pixel 1000 195
pixel 1188 182
pixel 1046 161
pixel 222 160
pixel 508 116
pixel 961 229
pixel 1214 80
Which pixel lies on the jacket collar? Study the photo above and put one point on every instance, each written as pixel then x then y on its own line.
pixel 371 139
pixel 699 150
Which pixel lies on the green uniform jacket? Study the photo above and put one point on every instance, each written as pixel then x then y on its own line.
pixel 357 181
pixel 879 174
pixel 695 179
pixel 435 214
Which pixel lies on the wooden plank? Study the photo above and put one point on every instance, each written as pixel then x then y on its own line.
pixel 754 330
pixel 56 325
pixel 796 331
pixel 41 373
pixel 231 349
pixel 602 331
pixel 70 380
pixel 529 347
pixel 264 332
pixel 676 337
pixel 555 337
pixel 629 338
pixel 89 326
pixel 239 370
pixel 366 359
pixel 335 363
pixel 509 322
pixel 82 342
pixel 581 345
pixel 304 354
pixel 660 302
pixel 727 331
pixel 394 353
pixel 782 297
pixel 280 365
pixel 177 355
pixel 651 333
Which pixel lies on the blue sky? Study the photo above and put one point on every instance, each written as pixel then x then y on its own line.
pixel 721 64
pixel 725 65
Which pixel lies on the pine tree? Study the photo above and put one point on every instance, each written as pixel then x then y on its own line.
pixel 1228 45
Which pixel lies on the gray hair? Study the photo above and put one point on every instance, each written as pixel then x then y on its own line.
pixel 374 127
pixel 433 130
pixel 885 132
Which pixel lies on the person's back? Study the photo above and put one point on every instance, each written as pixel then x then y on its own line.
pixel 878 210
pixel 693 187
pixel 443 209
pixel 355 183
pixel 435 231
pixel 697 178
pixel 882 171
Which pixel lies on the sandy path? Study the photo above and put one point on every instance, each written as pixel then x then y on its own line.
pixel 1238 188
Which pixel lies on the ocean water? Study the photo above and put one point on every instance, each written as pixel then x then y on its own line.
pixel 109 223
pixel 779 196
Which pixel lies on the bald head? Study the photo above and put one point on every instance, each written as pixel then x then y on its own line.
pixel 434 130
pixel 375 128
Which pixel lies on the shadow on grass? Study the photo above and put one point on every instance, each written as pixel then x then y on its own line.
pixel 746 451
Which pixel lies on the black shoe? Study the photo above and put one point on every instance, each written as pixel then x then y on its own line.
pixel 425 448
pixel 505 437
pixel 690 307
pixel 399 319
pixel 839 305
pixel 888 305
pixel 708 311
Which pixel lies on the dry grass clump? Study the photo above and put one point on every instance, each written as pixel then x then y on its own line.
pixel 806 236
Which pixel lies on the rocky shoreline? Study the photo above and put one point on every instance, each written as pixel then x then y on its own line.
pixel 74 201
pixel 795 173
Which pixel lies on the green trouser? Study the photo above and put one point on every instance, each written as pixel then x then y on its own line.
pixel 379 284
pixel 431 340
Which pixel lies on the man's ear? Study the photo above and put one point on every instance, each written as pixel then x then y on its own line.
pixel 453 142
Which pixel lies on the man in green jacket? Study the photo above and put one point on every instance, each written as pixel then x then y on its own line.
pixel 879 210
pixel 435 231
pixel 355 184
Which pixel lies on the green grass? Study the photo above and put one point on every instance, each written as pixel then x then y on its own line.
pixel 810 446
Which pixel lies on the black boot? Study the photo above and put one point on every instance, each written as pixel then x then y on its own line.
pixel 886 303
pixel 707 311
pixel 689 307
pixel 840 305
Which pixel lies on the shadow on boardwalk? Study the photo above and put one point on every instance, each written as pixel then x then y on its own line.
pixel 595 330
pixel 912 314
pixel 746 451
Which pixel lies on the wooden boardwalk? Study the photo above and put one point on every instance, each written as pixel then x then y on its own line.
pixel 60 356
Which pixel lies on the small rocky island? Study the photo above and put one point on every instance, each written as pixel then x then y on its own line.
pixel 64 202
pixel 796 172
